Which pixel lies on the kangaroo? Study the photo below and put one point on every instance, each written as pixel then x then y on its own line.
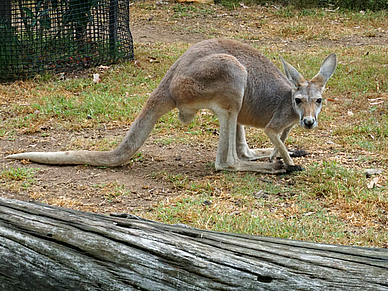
pixel 242 87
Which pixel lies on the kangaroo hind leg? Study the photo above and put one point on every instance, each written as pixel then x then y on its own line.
pixel 226 153
pixel 244 152
pixel 227 158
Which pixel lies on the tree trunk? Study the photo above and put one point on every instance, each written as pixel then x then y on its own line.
pixel 48 248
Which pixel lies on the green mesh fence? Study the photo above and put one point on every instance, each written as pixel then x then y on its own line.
pixel 61 35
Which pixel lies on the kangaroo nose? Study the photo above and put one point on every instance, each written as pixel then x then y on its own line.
pixel 309 121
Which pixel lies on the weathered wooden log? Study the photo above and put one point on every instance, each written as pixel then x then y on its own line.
pixel 48 248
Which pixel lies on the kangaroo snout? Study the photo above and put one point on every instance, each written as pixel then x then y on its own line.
pixel 308 122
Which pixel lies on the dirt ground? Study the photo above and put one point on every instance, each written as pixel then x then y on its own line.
pixel 89 188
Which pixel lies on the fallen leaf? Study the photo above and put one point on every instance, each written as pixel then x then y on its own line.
pixel 137 63
pixel 309 213
pixel 102 68
pixel 244 6
pixel 377 103
pixel 154 60
pixel 371 172
pixel 374 182
pixel 96 78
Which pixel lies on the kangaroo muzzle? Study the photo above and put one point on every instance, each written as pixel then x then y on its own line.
pixel 309 122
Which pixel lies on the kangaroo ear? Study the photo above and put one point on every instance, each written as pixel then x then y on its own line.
pixel 327 69
pixel 296 79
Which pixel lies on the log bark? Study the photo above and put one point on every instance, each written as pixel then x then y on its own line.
pixel 48 248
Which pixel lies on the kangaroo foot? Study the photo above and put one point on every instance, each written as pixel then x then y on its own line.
pixel 245 166
pixel 294 168
pixel 298 153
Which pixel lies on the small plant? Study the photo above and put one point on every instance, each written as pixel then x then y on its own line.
pixel 138 157
pixel 18 174
pixel 112 192
pixel 15 177
pixel 37 18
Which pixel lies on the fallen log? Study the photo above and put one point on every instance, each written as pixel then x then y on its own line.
pixel 48 248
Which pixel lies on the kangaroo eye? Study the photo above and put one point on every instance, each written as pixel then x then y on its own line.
pixel 319 100
pixel 298 100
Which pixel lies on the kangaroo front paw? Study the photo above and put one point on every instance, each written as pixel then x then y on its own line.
pixel 294 168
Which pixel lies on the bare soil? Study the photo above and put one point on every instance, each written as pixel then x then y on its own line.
pixel 90 188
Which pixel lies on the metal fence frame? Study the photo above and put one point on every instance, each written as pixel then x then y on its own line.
pixel 38 36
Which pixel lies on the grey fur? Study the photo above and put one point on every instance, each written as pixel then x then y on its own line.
pixel 241 86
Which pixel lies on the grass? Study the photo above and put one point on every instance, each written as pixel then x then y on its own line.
pixel 18 178
pixel 190 11
pixel 112 192
pixel 332 201
pixel 328 202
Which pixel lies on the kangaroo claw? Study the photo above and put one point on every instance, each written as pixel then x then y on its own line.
pixel 294 168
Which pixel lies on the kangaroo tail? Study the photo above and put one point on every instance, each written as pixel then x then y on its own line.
pixel 156 106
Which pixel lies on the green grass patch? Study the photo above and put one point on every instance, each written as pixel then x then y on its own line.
pixel 18 177
pixel 191 11
pixel 112 192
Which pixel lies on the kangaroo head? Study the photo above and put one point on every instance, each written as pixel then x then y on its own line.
pixel 307 95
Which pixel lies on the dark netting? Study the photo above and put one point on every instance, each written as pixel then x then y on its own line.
pixel 61 35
